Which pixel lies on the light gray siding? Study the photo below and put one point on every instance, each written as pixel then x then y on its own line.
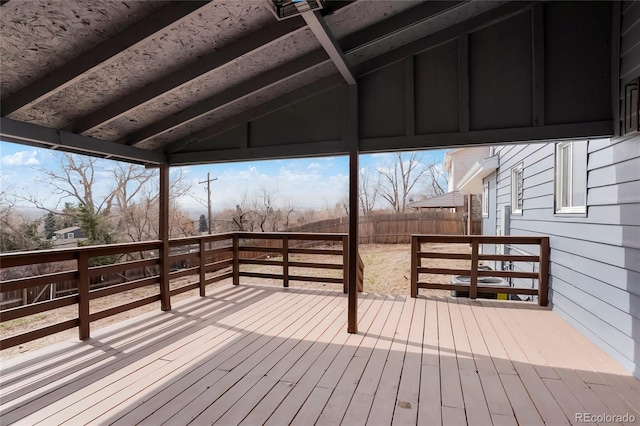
pixel 595 258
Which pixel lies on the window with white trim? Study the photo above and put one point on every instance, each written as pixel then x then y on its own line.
pixel 69 235
pixel 485 200
pixel 571 177
pixel 516 189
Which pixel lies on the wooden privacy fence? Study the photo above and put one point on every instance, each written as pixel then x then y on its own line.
pixel 210 258
pixel 396 228
pixel 542 276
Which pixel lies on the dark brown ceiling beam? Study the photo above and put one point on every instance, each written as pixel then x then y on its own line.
pixel 299 150
pixel 263 81
pixel 592 129
pixel 404 20
pixel 349 44
pixel 191 72
pixel 32 134
pixel 254 113
pixel 318 26
pixel 473 24
pixel 108 50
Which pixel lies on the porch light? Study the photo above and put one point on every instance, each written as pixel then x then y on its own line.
pixel 283 9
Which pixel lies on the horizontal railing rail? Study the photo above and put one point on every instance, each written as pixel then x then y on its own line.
pixel 282 245
pixel 473 272
pixel 211 258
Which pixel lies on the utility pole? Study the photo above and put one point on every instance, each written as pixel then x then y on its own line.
pixel 208 182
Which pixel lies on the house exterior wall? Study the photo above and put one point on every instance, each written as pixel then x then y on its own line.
pixel 462 160
pixel 595 258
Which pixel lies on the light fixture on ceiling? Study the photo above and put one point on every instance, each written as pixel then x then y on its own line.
pixel 283 9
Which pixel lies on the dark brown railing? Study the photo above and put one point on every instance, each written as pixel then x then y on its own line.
pixel 542 276
pixel 283 245
pixel 211 258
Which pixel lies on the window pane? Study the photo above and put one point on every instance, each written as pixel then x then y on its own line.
pixel 565 191
pixel 520 189
pixel 579 174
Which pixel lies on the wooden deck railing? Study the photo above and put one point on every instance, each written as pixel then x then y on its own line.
pixel 277 249
pixel 542 276
pixel 211 258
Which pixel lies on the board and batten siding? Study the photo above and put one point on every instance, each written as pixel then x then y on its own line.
pixel 595 259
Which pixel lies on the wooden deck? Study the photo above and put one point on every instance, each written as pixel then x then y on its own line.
pixel 252 355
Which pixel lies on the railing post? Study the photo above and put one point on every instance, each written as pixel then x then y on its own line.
pixel 285 261
pixel 236 259
pixel 345 263
pixel 360 274
pixel 543 270
pixel 83 295
pixel 414 265
pixel 473 286
pixel 202 267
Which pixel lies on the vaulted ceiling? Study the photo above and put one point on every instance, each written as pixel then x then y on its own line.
pixel 150 81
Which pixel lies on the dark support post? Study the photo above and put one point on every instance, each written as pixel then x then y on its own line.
pixel 203 263
pixel 345 264
pixel 543 280
pixel 414 265
pixel 473 286
pixel 83 295
pixel 236 259
pixel 285 261
pixel 469 213
pixel 352 138
pixel 165 296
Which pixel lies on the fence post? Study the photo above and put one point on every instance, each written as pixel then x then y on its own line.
pixel 202 267
pixel 83 295
pixel 236 259
pixel 285 261
pixel 415 247
pixel 543 270
pixel 473 285
pixel 345 263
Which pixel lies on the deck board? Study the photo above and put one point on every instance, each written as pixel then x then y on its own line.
pixel 265 355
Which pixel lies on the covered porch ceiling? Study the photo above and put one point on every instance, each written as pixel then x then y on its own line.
pixel 199 82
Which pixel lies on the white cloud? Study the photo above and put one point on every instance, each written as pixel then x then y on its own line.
pixel 21 158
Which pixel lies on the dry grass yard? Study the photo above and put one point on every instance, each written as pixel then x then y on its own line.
pixel 386 271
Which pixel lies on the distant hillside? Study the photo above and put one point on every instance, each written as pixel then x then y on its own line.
pixel 29 212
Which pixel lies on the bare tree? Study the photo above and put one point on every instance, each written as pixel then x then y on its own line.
pixel 129 180
pixel 263 208
pixel 368 191
pixel 137 196
pixel 74 179
pixel 287 212
pixel 439 179
pixel 399 180
pixel 241 216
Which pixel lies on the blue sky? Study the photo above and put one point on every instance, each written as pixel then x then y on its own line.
pixel 310 183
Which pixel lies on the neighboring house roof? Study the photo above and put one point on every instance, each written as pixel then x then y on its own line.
pixel 66 230
pixel 448 200
pixel 471 182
